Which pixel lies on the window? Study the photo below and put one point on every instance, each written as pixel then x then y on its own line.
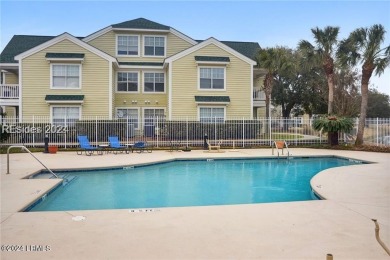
pixel 128 45
pixel 65 76
pixel 65 115
pixel 127 81
pixel 130 114
pixel 154 46
pixel 154 82
pixel 212 78
pixel 212 114
pixel 151 114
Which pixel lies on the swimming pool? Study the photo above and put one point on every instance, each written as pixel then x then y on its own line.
pixel 189 183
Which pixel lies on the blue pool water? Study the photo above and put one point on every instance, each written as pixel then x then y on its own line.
pixel 190 183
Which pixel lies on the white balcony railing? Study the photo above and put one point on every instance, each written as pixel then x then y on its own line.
pixel 258 94
pixel 9 91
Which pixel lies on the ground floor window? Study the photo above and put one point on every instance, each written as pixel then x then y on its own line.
pixel 130 114
pixel 151 115
pixel 212 114
pixel 65 115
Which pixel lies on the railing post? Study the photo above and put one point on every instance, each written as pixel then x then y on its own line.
pixel 158 130
pixel 33 132
pixel 296 132
pixel 66 130
pixel 377 131
pixel 96 130
pixel 243 132
pixel 187 130
pixel 127 131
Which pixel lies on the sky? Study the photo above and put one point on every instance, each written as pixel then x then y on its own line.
pixel 270 23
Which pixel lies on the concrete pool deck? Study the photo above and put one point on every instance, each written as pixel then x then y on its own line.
pixel 340 225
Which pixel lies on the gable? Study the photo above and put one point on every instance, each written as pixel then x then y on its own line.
pixel 221 50
pixel 63 37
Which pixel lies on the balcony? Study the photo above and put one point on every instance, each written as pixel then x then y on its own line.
pixel 258 98
pixel 9 94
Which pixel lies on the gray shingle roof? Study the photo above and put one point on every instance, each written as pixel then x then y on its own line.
pixel 19 44
pixel 212 58
pixel 248 49
pixel 65 55
pixel 212 99
pixel 64 97
pixel 141 23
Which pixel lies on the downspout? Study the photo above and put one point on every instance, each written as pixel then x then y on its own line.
pixel 170 91
pixel 20 91
pixel 251 93
pixel 110 90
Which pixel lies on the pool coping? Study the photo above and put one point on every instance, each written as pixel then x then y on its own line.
pixel 68 170
pixel 335 203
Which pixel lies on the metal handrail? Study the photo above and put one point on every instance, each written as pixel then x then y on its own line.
pixel 277 148
pixel 27 150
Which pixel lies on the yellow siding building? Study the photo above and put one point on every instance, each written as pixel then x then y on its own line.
pixel 135 69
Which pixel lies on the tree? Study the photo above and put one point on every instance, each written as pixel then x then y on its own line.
pixel 347 97
pixel 364 46
pixel 333 125
pixel 273 60
pixel 378 104
pixel 323 53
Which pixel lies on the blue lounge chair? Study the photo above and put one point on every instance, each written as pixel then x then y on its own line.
pixel 86 147
pixel 116 146
pixel 142 146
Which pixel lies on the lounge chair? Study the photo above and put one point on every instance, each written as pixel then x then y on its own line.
pixel 86 147
pixel 142 146
pixel 216 147
pixel 116 146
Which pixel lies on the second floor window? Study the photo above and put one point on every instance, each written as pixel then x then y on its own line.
pixel 212 78
pixel 154 46
pixel 128 45
pixel 127 81
pixel 154 82
pixel 65 76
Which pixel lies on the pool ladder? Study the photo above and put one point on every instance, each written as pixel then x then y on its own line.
pixel 280 145
pixel 27 150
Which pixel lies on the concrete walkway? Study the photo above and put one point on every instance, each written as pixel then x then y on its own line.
pixel 340 225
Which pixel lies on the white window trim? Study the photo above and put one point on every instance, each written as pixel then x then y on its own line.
pixel 143 82
pixel 138 113
pixel 213 67
pixel 116 45
pixel 64 105
pixel 128 71
pixel 144 108
pixel 73 64
pixel 154 56
pixel 224 111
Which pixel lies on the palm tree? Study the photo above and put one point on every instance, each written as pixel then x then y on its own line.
pixel 333 125
pixel 273 60
pixel 364 46
pixel 323 53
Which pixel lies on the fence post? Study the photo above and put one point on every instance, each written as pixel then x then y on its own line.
pixel 187 130
pixel 158 130
pixel 377 131
pixel 33 134
pixel 270 129
pixel 127 131
pixel 96 130
pixel 296 132
pixel 243 132
pixel 66 129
